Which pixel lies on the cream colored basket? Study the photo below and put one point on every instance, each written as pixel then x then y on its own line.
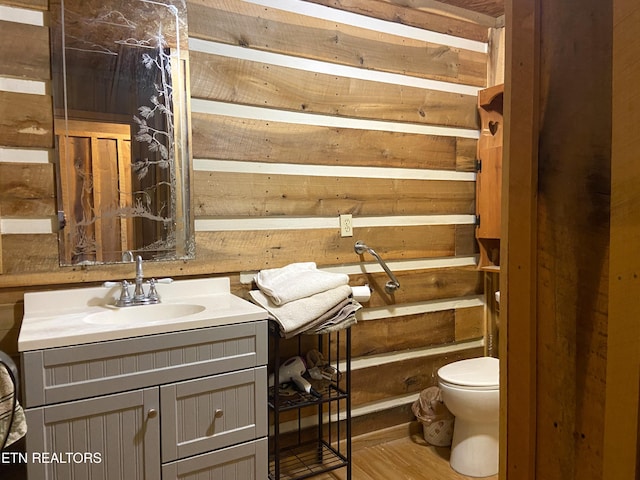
pixel 435 417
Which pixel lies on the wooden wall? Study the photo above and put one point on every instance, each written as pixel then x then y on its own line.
pixel 300 113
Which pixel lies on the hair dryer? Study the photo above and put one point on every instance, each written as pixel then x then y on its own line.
pixel 291 371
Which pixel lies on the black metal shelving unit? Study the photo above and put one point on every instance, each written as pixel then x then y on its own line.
pixel 325 446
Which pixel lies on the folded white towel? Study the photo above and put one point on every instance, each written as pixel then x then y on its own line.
pixel 341 319
pixel 344 323
pixel 296 281
pixel 298 315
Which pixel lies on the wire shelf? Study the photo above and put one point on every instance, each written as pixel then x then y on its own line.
pixel 307 460
pixel 324 444
pixel 302 399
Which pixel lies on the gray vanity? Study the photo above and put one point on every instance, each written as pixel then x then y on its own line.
pixel 179 393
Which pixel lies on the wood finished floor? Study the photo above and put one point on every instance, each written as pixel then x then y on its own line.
pixel 409 458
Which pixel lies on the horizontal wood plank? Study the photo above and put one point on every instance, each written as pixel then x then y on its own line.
pixel 494 8
pixel 226 252
pixel 247 194
pixel 37 253
pixel 25 120
pixel 406 15
pixel 268 141
pixel 465 240
pixel 386 335
pixel 237 251
pixel 27 190
pixel 469 323
pixel 370 427
pixel 243 82
pixel 466 149
pixel 25 51
pixel 412 375
pixel 421 285
pixel 263 28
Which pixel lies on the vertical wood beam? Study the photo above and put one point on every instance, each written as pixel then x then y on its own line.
pixel 518 271
pixel 495 69
pixel 557 174
pixel 573 236
pixel 621 443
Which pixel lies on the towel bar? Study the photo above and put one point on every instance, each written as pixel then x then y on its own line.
pixel 392 285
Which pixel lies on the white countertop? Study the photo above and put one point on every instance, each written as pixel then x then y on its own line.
pixel 60 318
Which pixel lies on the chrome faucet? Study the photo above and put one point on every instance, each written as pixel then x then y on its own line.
pixel 139 296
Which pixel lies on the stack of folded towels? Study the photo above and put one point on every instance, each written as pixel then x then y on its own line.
pixel 303 299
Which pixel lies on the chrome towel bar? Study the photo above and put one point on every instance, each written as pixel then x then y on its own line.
pixel 392 285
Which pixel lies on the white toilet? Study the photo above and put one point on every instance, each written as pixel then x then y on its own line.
pixel 471 391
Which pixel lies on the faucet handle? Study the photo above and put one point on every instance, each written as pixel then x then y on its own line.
pixel 125 298
pixel 152 295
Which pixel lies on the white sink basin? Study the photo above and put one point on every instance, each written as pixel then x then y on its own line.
pixel 143 314
pixel 61 318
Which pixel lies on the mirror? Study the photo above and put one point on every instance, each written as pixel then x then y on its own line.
pixel 120 96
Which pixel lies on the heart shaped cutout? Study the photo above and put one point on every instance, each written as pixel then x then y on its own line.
pixel 493 127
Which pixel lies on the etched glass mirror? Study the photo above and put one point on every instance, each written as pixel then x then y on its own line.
pixel 120 93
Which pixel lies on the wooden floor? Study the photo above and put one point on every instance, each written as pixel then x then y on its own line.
pixel 409 458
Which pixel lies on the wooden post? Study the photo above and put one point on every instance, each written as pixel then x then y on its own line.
pixel 518 256
pixel 623 344
pixel 556 205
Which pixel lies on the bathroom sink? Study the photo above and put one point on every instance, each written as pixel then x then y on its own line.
pixel 59 318
pixel 143 314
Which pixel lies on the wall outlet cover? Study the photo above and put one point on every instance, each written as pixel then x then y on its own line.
pixel 346 225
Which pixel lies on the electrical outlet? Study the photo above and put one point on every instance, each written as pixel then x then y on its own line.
pixel 346 225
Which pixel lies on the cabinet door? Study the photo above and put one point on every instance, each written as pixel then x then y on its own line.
pixel 102 438
pixel 213 412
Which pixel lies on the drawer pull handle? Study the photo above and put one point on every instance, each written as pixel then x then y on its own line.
pixel 218 413
pixel 152 413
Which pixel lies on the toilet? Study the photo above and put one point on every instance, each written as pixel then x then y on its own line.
pixel 471 391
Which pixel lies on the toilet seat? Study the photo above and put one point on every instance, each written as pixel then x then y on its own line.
pixel 481 373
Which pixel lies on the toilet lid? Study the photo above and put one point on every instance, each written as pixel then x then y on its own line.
pixel 475 372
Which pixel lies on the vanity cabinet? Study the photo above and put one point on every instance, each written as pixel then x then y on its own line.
pixel 165 406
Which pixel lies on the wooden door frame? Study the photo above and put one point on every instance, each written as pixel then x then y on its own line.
pixel 518 248
pixel 519 343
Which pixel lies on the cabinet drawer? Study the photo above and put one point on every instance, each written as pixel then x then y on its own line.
pixel 82 371
pixel 214 412
pixel 247 461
